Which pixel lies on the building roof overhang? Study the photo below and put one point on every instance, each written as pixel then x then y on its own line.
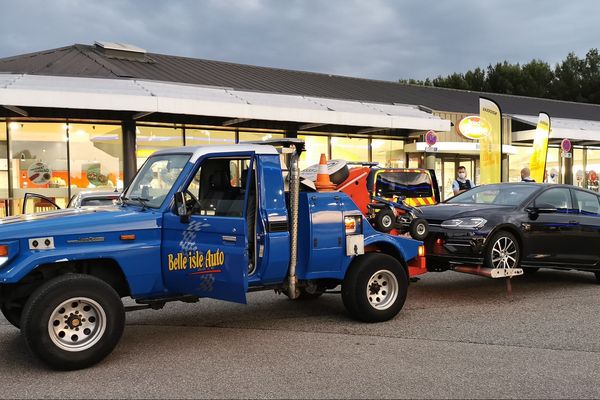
pixel 142 98
pixel 579 131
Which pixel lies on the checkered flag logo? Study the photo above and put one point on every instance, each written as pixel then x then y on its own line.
pixel 188 240
pixel 206 283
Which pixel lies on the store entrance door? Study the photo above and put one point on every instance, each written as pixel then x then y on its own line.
pixel 446 171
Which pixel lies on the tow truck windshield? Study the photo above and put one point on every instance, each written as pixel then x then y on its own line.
pixel 155 179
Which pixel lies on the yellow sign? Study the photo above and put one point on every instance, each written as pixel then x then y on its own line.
pixel 537 162
pixel 472 127
pixel 490 145
pixel 196 262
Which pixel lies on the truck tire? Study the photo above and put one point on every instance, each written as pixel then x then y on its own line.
pixel 375 287
pixel 384 220
pixel 12 315
pixel 73 321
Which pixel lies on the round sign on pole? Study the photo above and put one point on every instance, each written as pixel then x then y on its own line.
pixel 565 145
pixel 430 138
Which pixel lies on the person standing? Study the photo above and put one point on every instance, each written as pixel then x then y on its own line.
pixel 525 175
pixel 461 183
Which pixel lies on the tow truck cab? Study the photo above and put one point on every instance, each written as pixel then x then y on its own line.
pixel 195 222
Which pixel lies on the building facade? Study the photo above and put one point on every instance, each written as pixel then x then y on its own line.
pixel 85 117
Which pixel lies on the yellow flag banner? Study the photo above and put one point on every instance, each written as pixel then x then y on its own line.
pixel 490 144
pixel 537 162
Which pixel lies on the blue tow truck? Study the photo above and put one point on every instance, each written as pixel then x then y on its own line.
pixel 195 222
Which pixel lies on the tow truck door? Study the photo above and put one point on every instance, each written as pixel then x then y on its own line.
pixel 208 255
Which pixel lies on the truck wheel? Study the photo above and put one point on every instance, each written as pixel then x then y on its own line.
pixel 374 288
pixel 12 315
pixel 419 229
pixel 73 321
pixel 384 220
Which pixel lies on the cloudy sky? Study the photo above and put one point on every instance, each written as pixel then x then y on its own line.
pixel 380 39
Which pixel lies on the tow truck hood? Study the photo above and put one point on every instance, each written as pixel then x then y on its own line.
pixel 75 221
pixel 444 211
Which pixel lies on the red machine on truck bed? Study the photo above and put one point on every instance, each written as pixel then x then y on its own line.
pixel 386 195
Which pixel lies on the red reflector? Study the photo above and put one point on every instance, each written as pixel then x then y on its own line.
pixel 4 251
pixel 130 236
pixel 439 241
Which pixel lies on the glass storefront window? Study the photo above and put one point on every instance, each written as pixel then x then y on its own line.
pixel 203 137
pixel 349 149
pixel 593 168
pixel 388 153
pixel 553 165
pixel 578 170
pixel 256 136
pixel 315 145
pixel 3 171
pixel 38 162
pixel 518 161
pixel 152 138
pixel 96 157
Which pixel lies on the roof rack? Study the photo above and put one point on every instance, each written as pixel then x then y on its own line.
pixel 298 144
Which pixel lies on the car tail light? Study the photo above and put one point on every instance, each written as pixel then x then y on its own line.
pixel 421 251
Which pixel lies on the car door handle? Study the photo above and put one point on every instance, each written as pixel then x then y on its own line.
pixel 574 222
pixel 231 239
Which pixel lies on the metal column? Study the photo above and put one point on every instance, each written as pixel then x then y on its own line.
pixel 128 128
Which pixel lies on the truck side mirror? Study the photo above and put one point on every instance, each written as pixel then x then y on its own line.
pixel 181 207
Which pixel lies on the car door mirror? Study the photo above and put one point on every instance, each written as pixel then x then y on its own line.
pixel 181 207
pixel 541 208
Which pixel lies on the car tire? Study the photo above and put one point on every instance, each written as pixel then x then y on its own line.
pixel 419 229
pixel 374 288
pixel 12 315
pixel 73 321
pixel 384 220
pixel 502 251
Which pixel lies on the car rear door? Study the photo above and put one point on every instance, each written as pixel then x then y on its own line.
pixel 552 238
pixel 588 206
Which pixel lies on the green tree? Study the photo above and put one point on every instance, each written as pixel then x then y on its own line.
pixel 476 80
pixel 590 77
pixel 568 79
pixel 537 78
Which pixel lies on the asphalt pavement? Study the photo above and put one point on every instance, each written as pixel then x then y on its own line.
pixel 458 336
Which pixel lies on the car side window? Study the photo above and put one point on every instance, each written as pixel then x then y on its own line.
pixel 220 187
pixel 559 198
pixel 587 203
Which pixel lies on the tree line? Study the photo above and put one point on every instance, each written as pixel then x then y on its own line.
pixel 572 79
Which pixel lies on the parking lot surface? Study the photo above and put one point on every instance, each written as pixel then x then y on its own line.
pixel 457 336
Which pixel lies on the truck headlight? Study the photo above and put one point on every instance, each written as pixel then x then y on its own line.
pixel 464 223
pixel 7 251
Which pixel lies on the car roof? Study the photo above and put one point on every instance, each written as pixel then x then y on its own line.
pixel 199 151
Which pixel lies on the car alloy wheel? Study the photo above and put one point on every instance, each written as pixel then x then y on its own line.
pixel 504 253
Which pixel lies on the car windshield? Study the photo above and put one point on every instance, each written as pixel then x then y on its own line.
pixel 502 195
pixel 403 183
pixel 155 179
